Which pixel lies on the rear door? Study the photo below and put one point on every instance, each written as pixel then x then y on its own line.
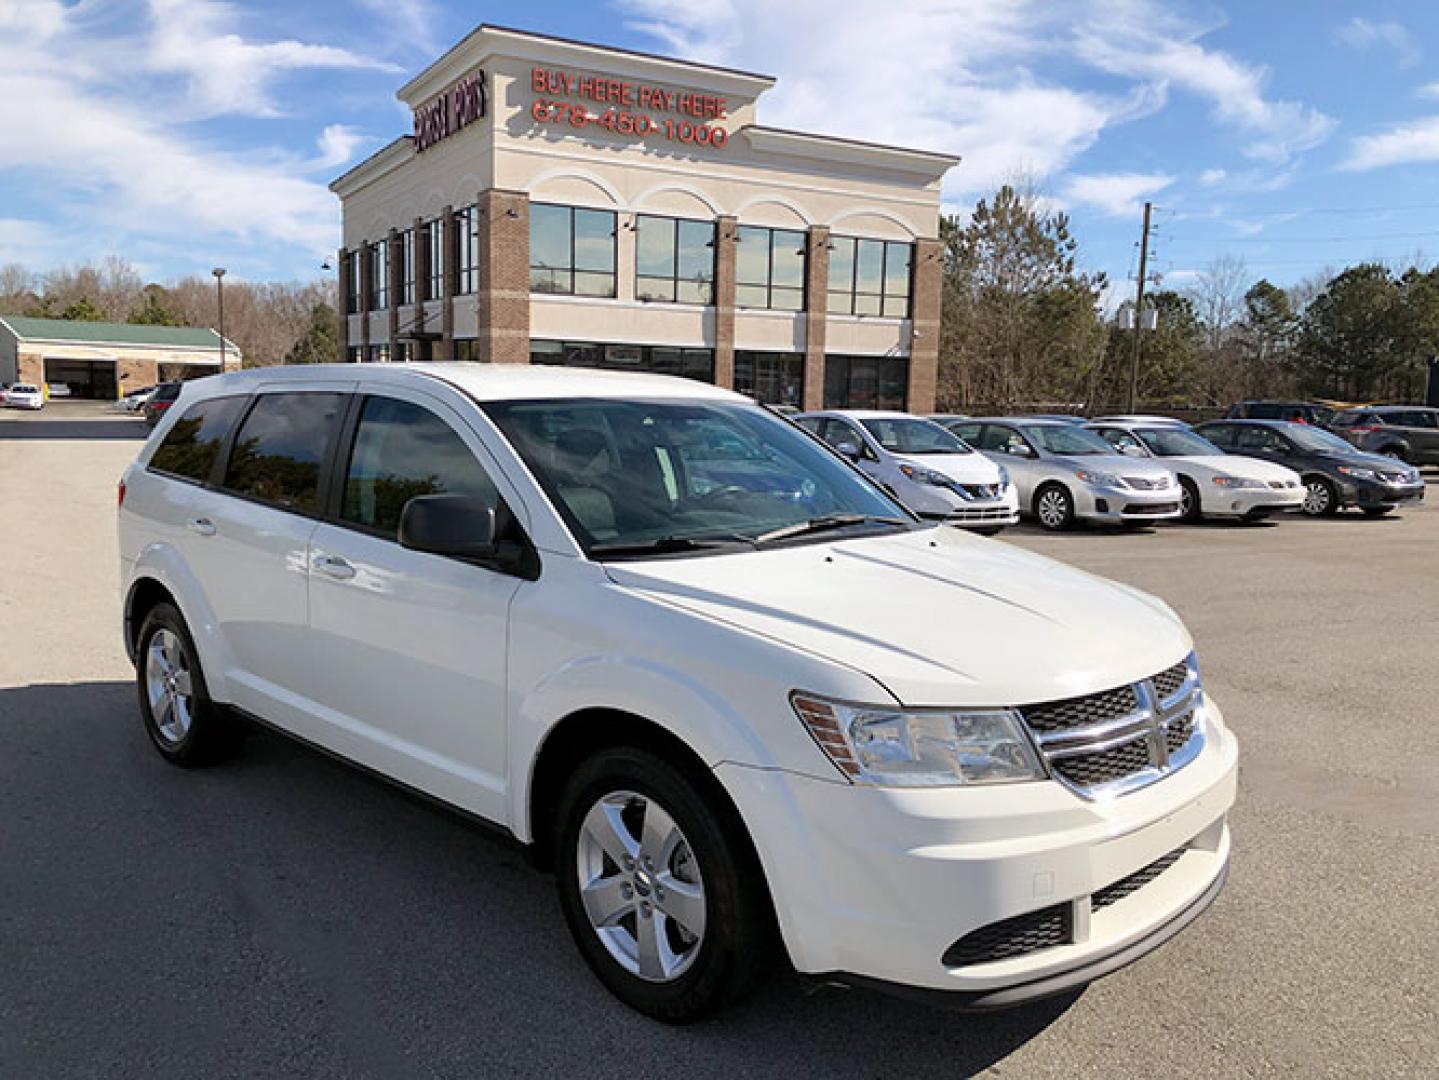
pixel 255 535
pixel 408 650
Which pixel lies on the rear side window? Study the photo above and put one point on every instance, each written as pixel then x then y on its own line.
pixel 167 392
pixel 190 449
pixel 402 451
pixel 1221 435
pixel 280 447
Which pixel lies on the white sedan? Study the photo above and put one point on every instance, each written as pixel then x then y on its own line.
pixel 1213 483
pixel 24 396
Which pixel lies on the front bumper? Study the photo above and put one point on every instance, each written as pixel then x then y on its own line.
pixel 1244 501
pixel 1368 493
pixel 941 504
pixel 1115 504
pixel 878 884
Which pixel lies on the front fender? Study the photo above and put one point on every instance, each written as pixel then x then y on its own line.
pixel 161 562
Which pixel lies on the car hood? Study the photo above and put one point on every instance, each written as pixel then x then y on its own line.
pixel 1235 465
pixel 936 616
pixel 1122 464
pixel 973 468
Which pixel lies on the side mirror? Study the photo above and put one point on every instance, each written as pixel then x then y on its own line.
pixel 1131 451
pixel 459 526
pixel 1020 450
pixel 849 450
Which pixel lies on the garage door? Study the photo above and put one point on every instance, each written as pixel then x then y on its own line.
pixel 85 378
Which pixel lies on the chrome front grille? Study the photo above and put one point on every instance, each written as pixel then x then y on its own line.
pixel 1147 483
pixel 1118 740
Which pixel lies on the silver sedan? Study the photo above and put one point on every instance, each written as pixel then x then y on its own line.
pixel 1065 473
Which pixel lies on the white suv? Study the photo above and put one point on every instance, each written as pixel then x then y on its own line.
pixel 723 684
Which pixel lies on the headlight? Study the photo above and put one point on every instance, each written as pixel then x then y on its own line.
pixel 1003 478
pixel 1100 479
pixel 925 476
pixel 1358 473
pixel 1237 482
pixel 920 747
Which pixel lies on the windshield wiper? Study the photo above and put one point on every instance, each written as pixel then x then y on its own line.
pixel 825 524
pixel 667 545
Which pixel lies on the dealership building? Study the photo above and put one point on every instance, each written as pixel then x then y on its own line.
pixel 105 361
pixel 566 203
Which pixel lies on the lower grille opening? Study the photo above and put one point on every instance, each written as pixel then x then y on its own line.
pixel 1126 887
pixel 1149 509
pixel 1013 937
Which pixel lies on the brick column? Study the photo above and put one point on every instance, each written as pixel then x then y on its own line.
pixel 422 283
pixel 725 233
pixel 343 302
pixel 367 299
pixel 502 298
pixel 816 304
pixel 924 325
pixel 395 272
pixel 448 243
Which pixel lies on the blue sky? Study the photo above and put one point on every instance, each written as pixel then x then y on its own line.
pixel 1294 134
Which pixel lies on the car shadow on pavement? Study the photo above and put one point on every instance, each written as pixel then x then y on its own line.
pixel 120 427
pixel 283 913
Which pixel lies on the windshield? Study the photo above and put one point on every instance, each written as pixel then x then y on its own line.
pixel 1065 439
pixel 671 474
pixel 1311 438
pixel 24 388
pixel 1176 442
pixel 904 435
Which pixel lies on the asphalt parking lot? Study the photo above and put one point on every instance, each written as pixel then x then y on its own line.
pixel 284 915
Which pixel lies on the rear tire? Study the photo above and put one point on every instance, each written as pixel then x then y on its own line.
pixel 1320 498
pixel 1054 507
pixel 186 727
pixel 667 905
pixel 1190 509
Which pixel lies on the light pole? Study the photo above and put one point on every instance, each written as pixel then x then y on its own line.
pixel 219 273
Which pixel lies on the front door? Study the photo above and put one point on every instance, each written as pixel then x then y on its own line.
pixel 410 649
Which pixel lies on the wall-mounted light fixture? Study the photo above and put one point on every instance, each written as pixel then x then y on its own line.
pixel 512 213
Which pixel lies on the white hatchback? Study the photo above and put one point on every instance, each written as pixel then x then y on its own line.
pixel 729 689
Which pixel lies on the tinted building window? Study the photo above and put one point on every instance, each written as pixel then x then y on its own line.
pixel 467 247
pixel 379 275
pixel 572 251
pixel 866 382
pixel 402 451
pixel 674 260
pixel 769 268
pixel 770 378
pixel 407 266
pixel 434 280
pixel 190 448
pixel 352 282
pixel 869 277
pixel 279 448
pixel 661 359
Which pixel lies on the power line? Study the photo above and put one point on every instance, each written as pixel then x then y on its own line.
pixel 1300 239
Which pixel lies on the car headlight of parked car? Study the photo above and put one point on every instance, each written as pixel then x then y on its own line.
pixel 1238 482
pixel 1358 473
pixel 925 476
pixel 920 747
pixel 1100 479
pixel 1003 478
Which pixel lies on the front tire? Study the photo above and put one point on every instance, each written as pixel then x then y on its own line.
pixel 1190 510
pixel 667 906
pixel 1054 507
pixel 1320 498
pixel 185 726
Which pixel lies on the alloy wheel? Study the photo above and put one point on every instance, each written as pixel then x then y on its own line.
pixel 1053 509
pixel 641 887
pixel 169 686
pixel 1316 497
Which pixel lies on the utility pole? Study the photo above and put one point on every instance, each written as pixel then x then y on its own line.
pixel 1139 310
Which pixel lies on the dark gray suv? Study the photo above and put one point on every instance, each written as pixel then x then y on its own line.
pixel 1407 432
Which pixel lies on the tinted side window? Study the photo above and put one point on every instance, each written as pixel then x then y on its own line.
pixel 1266 411
pixel 1221 435
pixel 1258 438
pixel 190 448
pixel 402 451
pixel 969 433
pixel 279 449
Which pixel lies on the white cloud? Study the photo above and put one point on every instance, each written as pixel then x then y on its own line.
pixel 1139 39
pixel 1401 144
pixel 226 73
pixel 337 145
pixel 1428 90
pixel 1365 34
pixel 1115 194
pixel 413 22
pixel 121 173
pixel 1212 177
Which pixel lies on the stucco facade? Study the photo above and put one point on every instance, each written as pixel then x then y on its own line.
pixel 557 129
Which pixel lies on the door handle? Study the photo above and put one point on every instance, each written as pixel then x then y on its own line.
pixel 333 566
pixel 201 525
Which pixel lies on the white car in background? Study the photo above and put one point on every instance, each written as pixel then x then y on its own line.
pixel 1065 473
pixel 1212 483
pixel 24 396
pixel 926 466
